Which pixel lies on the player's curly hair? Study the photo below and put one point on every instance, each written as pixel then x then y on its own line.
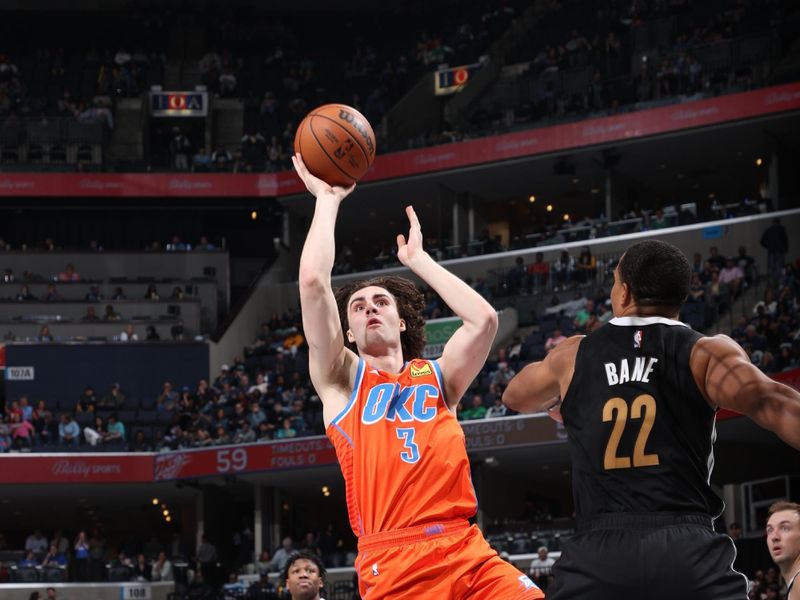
pixel 410 303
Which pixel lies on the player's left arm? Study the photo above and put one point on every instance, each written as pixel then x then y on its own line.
pixel 465 353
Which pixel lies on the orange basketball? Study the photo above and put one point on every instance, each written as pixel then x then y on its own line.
pixel 337 144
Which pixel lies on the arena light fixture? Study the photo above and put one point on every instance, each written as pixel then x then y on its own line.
pixel 166 512
pixel 155 501
pixel 531 198
pixel 549 208
pixel 759 161
pixel 254 215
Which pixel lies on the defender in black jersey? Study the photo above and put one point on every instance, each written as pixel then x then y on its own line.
pixel 638 399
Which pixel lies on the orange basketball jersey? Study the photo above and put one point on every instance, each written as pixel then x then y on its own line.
pixel 402 452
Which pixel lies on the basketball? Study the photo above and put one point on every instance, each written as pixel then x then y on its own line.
pixel 337 144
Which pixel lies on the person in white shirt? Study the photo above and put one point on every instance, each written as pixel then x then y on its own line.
pixel 541 567
pixel 162 568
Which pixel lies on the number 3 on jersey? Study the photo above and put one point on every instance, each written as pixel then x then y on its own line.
pixel 644 403
pixel 411 452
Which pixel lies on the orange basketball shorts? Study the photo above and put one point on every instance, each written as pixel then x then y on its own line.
pixel 440 561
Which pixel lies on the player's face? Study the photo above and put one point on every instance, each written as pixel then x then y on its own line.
pixel 783 536
pixel 375 324
pixel 303 580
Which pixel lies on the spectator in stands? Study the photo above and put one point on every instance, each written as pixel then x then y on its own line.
pixel 747 264
pixel 97 555
pixel 29 560
pixel 94 294
pixel 115 430
pixel 263 589
pixel 716 260
pixel 152 292
pixel 44 334
pixel 6 443
pixel 502 375
pixel 81 554
pixel 128 334
pixel 221 160
pixel 498 409
pixel 261 564
pixel 54 558
pixel 139 442
pixel 111 314
pixel 60 542
pixel 52 294
pixel 281 556
pixel 24 294
pixel 96 434
pixel 783 542
pixel 37 544
pixel 207 558
pixel 119 294
pixel 717 292
pixel 539 271
pixel 199 589
pixel 87 400
pixel 68 431
pixel 69 274
pixel 201 161
pixel 586 266
pixel 776 242
pixel 114 399
pixel 141 570
pixel 554 339
pixel 162 569
pixel 286 430
pixel 304 575
pixel 152 334
pixel 563 269
pixel 90 315
pixel 180 149
pixel 541 567
pixel 22 432
pixel 475 410
pixel 732 276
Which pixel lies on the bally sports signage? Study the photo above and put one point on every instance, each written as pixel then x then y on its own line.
pixel 179 104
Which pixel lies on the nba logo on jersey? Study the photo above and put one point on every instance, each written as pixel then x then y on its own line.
pixel 637 339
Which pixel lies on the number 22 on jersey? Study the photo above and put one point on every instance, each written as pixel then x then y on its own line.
pixel 616 409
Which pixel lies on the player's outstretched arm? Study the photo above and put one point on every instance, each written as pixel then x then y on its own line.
pixel 465 353
pixel 728 379
pixel 539 386
pixel 327 355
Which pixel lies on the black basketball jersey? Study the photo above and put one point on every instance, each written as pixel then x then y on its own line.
pixel 640 432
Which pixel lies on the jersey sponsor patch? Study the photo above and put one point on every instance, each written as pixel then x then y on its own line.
pixel 419 369
pixel 638 337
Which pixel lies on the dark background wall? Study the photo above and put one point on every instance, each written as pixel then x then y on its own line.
pixel 62 371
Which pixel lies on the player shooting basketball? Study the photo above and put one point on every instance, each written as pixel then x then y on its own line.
pixel 391 417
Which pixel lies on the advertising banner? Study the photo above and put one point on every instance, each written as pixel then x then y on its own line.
pixel 530 142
